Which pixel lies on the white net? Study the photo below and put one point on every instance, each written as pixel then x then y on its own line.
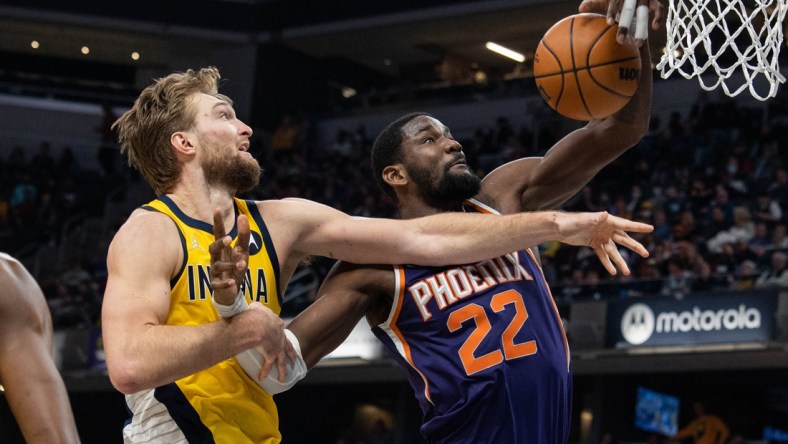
pixel 739 39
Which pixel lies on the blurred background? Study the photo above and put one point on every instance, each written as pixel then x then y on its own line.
pixel 317 80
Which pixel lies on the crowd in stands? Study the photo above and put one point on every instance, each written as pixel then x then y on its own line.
pixel 41 194
pixel 713 182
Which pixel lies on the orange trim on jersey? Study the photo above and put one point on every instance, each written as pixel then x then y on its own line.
pixel 555 308
pixel 480 207
pixel 392 323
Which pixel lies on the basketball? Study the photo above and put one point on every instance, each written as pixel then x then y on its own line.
pixel 582 72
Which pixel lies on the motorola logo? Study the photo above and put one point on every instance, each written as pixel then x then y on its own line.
pixel 637 324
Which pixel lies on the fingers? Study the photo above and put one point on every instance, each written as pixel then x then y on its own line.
pixel 623 239
pixel 219 285
pixel 217 247
pixel 656 6
pixel 625 19
pixel 242 244
pixel 268 362
pixel 597 6
pixel 611 258
pixel 612 11
pixel 617 259
pixel 218 225
pixel 281 367
pixel 630 225
pixel 641 26
pixel 604 257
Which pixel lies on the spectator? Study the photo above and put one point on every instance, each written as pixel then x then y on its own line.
pixel 779 238
pixel 745 276
pixel 286 135
pixel 678 283
pixel 741 231
pixel 776 275
pixel 766 210
pixel 779 188
pixel 704 429
pixel 371 425
pixel 661 228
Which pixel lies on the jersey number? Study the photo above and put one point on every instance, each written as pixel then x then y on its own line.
pixel 475 312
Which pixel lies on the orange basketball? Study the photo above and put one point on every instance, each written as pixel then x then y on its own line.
pixel 582 72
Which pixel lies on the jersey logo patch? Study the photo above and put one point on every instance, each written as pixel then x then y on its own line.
pixel 255 243
pixel 195 244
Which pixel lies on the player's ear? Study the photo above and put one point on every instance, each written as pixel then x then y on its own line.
pixel 395 175
pixel 181 141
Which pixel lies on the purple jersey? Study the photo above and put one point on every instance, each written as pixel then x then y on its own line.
pixel 484 349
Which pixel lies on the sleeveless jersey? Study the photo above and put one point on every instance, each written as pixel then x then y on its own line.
pixel 219 404
pixel 484 350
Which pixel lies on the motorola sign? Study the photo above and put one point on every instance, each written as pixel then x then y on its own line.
pixel 698 319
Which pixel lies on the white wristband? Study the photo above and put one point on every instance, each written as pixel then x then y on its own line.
pixel 228 311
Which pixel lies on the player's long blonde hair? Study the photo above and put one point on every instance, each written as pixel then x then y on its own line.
pixel 161 109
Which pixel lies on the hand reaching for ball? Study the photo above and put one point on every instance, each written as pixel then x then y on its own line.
pixel 622 11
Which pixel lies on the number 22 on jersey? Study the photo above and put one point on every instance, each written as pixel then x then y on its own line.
pixel 506 300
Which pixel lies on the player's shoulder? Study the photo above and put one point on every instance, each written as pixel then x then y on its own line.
pixel 146 229
pixel 6 260
pixel 143 219
pixel 12 268
pixel 21 301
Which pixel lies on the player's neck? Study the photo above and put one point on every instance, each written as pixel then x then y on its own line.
pixel 418 208
pixel 199 202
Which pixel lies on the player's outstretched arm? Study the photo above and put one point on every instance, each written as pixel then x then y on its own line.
pixel 441 239
pixel 33 386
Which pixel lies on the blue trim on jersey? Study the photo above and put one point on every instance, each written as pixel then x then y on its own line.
pixel 183 414
pixel 269 244
pixel 192 222
pixel 177 276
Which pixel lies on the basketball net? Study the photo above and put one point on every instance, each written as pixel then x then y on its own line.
pixel 726 36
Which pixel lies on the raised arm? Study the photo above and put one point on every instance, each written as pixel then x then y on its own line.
pixel 539 183
pixel 448 238
pixel 144 256
pixel 34 389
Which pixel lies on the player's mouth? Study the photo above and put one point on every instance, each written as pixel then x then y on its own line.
pixel 460 161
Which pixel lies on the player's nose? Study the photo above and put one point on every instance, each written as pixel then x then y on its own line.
pixel 244 129
pixel 453 146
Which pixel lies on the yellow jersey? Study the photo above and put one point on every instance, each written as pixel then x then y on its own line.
pixel 220 404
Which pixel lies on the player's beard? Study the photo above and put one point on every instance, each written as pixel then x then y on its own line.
pixel 447 193
pixel 239 172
